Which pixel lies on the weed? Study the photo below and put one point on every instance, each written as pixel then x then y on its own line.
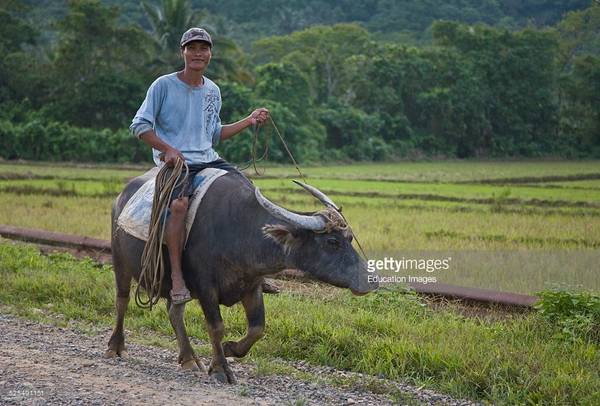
pixel 576 314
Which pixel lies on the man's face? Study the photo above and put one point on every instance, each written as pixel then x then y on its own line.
pixel 196 55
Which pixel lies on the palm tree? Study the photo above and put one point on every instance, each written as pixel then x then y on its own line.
pixel 171 19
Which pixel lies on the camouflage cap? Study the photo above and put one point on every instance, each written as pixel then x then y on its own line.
pixel 196 34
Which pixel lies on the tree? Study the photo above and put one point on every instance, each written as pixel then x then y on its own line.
pixel 579 34
pixel 93 83
pixel 580 107
pixel 16 67
pixel 516 72
pixel 319 52
pixel 170 20
pixel 285 83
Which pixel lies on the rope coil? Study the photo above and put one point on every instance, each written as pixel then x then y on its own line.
pixel 153 266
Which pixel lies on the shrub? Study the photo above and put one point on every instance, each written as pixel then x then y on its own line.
pixel 577 315
pixel 47 140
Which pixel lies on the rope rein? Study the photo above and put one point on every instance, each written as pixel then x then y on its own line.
pixel 153 266
pixel 335 217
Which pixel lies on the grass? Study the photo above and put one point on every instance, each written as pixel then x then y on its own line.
pixel 445 171
pixel 463 191
pixel 414 208
pixel 62 170
pixel 509 361
pixel 72 215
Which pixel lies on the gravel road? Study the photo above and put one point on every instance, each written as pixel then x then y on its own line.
pixel 41 364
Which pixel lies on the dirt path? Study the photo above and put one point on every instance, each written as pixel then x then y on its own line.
pixel 43 364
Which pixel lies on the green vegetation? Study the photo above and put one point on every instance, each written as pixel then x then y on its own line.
pixel 578 314
pixel 337 92
pixel 509 361
pixel 506 224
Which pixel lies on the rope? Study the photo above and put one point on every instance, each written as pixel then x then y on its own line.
pixel 153 266
pixel 253 160
pixel 334 220
pixel 287 149
pixel 337 221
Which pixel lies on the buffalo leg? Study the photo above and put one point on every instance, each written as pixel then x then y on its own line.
pixel 219 368
pixel 255 314
pixel 116 344
pixel 187 358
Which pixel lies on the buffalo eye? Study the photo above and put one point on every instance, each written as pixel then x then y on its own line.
pixel 333 242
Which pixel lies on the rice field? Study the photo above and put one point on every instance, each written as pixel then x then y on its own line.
pixel 513 226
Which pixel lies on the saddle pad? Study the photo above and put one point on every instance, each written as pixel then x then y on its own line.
pixel 135 217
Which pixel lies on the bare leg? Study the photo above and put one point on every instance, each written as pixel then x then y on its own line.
pixel 255 314
pixel 175 237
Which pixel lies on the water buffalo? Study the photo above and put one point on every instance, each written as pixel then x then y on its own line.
pixel 237 238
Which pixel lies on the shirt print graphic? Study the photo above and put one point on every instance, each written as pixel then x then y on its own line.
pixel 210 110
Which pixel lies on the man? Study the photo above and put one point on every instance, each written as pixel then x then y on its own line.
pixel 179 119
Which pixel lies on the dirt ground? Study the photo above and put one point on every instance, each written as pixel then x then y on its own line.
pixel 42 364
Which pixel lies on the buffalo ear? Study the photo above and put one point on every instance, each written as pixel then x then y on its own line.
pixel 282 235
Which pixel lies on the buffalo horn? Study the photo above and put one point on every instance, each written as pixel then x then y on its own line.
pixel 323 198
pixel 313 223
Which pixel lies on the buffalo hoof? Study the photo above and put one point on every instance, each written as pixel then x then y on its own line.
pixel 110 353
pixel 229 349
pixel 220 377
pixel 225 376
pixel 194 365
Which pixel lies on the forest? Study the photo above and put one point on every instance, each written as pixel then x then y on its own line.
pixel 378 81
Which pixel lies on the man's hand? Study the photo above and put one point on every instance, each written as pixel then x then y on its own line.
pixel 170 157
pixel 259 116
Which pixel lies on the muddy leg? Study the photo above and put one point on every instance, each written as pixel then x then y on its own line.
pixel 116 344
pixel 219 368
pixel 187 358
pixel 255 314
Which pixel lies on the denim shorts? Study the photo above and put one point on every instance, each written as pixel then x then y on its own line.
pixel 187 189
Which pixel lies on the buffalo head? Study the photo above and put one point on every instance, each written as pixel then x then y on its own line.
pixel 319 244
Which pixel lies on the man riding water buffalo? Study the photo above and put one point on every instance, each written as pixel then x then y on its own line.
pixel 238 237
pixel 180 119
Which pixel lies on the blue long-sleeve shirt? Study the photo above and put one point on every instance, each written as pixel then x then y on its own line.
pixel 185 117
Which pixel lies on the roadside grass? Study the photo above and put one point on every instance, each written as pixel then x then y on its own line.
pixel 510 361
